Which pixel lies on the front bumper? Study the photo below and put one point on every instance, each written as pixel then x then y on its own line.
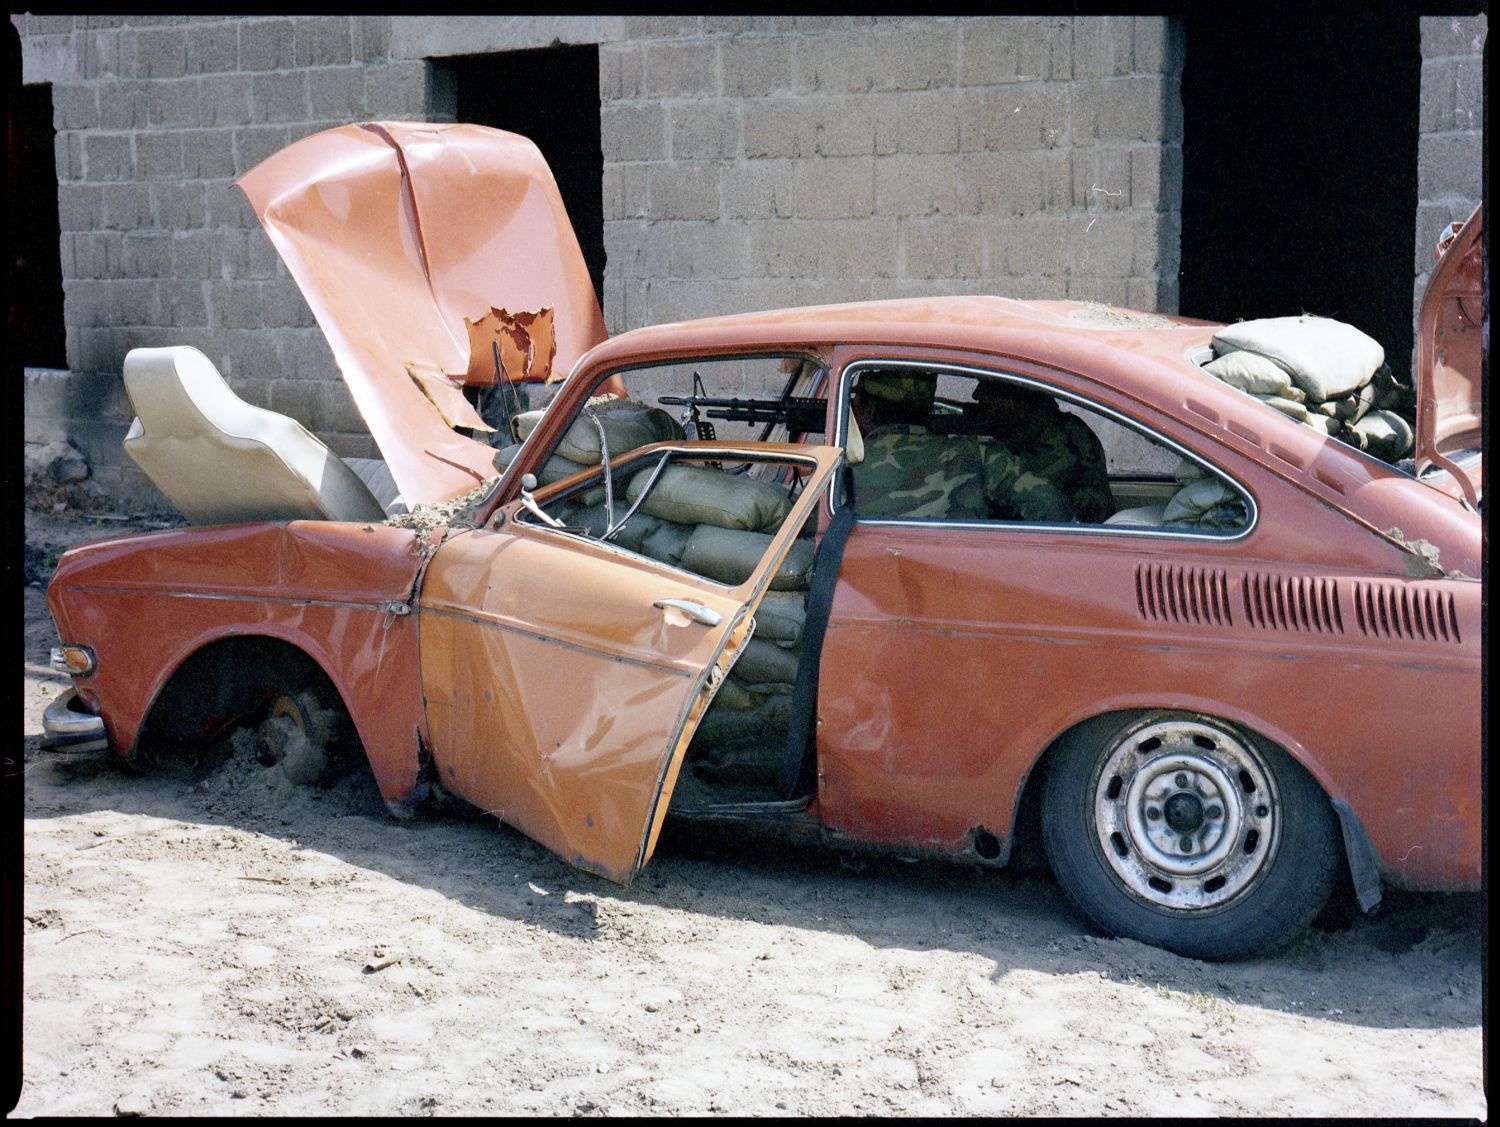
pixel 70 734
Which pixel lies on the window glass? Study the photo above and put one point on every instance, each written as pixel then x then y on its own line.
pixel 954 445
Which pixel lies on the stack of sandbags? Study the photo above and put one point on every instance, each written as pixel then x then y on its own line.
pixel 1324 373
pixel 1203 501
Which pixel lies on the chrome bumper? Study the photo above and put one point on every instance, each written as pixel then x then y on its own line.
pixel 71 734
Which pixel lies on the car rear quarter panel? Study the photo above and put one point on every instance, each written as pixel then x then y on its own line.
pixel 956 655
pixel 147 603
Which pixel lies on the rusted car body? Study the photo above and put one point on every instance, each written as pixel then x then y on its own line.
pixel 1300 693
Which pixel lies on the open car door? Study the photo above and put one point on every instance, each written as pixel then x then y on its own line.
pixel 565 675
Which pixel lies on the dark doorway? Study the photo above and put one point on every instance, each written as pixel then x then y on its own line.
pixel 550 95
pixel 34 315
pixel 1300 166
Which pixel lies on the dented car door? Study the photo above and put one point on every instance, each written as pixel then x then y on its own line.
pixel 564 677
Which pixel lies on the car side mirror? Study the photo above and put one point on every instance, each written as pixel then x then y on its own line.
pixel 528 502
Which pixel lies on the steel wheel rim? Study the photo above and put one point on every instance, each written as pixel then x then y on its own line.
pixel 1186 814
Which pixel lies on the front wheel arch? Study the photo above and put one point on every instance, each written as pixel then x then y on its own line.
pixel 1234 856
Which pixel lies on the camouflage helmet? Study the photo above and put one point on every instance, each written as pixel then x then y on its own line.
pixel 908 388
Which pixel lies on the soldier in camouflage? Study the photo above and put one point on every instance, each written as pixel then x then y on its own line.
pixel 909 471
pixel 1052 444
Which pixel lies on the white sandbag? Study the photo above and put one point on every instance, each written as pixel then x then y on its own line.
pixel 1207 503
pixel 1326 358
pixel 627 425
pixel 1324 424
pixel 1288 407
pixel 1251 372
pixel 730 556
pixel 1387 435
pixel 699 495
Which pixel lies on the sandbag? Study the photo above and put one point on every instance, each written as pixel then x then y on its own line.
pixel 1387 435
pixel 1325 424
pixel 1207 503
pixel 730 556
pixel 1252 372
pixel 1352 407
pixel 1189 471
pixel 734 696
pixel 780 616
pixel 627 425
pixel 699 495
pixel 666 542
pixel 1325 358
pixel 594 519
pixel 1392 395
pixel 766 667
pixel 1288 407
pixel 553 469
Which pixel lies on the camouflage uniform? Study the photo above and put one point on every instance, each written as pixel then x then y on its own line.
pixel 908 471
pixel 1061 448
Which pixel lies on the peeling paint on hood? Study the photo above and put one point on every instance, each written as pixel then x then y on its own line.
pixel 426 252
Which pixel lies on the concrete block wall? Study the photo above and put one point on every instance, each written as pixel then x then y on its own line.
pixel 155 117
pixel 758 162
pixel 1451 123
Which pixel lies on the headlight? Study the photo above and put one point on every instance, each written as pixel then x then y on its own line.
pixel 76 661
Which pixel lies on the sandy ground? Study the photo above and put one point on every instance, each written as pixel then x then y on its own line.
pixel 214 940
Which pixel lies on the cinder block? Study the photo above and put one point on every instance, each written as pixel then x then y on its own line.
pixel 1468 95
pixel 1086 287
pixel 1159 45
pixel 753 68
pixel 323 41
pixel 835 188
pixel 1448 36
pixel 67 151
pixel 703 130
pixel 758 189
pixel 833 64
pixel 161 52
pixel 662 27
pixel 196 255
pixel 122 105
pixel 783 249
pixel 1448 165
pixel 267 44
pixel 252 144
pixel 174 103
pixel 336 93
pixel 1103 46
pixel 396 90
pixel 1032 246
pixel 184 303
pixel 621 71
pixel 772 127
pixel 916 185
pixel 107 157
pixel 75 106
pixel 632 133
pixel 710 250
pixel 682 69
pixel 917 122
pixel 941 248
pixel 1131 109
pixel 372 38
pixel 1014 117
pixel 224 100
pixel 921 55
pixel 866 249
pixel 305 354
pixel 839 127
pixel 833 290
pixel 159 155
pixel 127 207
pixel 180 206
pixel 279 97
pixel 997 50
pixel 683 191
pixel 1100 245
pixel 283 305
pixel 146 255
pixel 207 154
pixel 211 48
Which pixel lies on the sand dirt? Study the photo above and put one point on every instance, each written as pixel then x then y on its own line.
pixel 215 940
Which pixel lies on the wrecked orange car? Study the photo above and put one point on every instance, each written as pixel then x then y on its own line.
pixel 1195 606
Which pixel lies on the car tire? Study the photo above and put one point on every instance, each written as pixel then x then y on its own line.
pixel 1187 833
pixel 301 732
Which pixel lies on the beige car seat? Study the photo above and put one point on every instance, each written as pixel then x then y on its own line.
pixel 221 460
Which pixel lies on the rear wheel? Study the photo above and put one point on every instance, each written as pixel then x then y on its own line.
pixel 1181 831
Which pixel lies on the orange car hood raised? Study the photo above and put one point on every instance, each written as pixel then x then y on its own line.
pixel 1450 396
pixel 399 233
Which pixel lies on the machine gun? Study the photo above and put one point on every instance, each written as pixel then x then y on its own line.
pixel 800 414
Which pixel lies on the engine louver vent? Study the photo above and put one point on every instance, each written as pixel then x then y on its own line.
pixel 1182 594
pixel 1280 602
pixel 1404 612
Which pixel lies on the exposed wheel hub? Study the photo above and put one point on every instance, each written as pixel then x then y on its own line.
pixel 1186 814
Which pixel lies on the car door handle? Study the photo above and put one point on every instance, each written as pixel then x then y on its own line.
pixel 696 611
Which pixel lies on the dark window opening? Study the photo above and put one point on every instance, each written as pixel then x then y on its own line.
pixel 34 314
pixel 550 95
pixel 1300 168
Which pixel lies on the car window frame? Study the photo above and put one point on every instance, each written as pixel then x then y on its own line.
pixel 841 435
